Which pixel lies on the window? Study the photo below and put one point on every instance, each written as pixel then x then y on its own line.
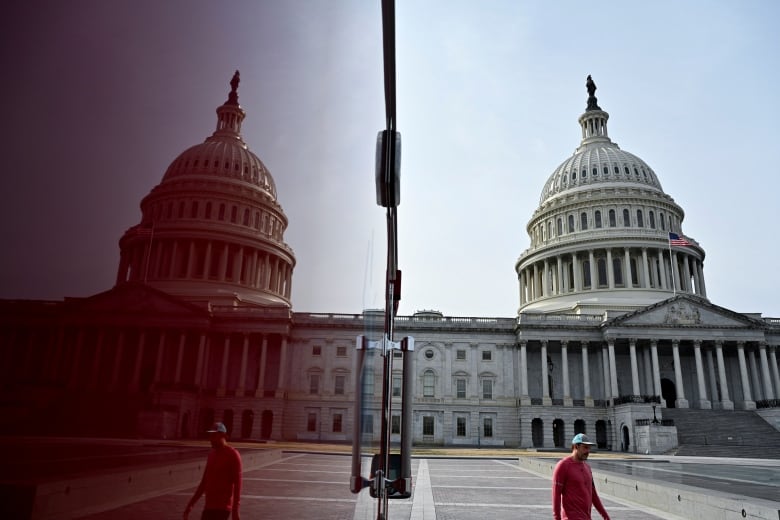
pixel 396 386
pixel 368 423
pixel 661 220
pixel 460 355
pixel 311 422
pixel 487 389
pixel 194 210
pixel 338 387
pixel 487 427
pixel 652 220
pixel 601 263
pixel 598 218
pixel 395 424
pixel 487 355
pixel 571 223
pixel 233 214
pixel 246 217
pixel 368 382
pixel 640 221
pixel 626 218
pixel 208 210
pixel 429 354
pixel 617 170
pixel 586 274
pixel 428 425
pixel 460 427
pixel 221 212
pixel 314 384
pixel 316 350
pixel 583 221
pixel 606 170
pixel 560 227
pixel 617 271
pixel 612 222
pixel 428 382
pixel 460 388
pixel 341 351
pixel 337 423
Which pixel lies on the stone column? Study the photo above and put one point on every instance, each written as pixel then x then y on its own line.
pixel 199 361
pixel 222 388
pixel 775 372
pixel 546 400
pixel 714 398
pixel 704 403
pixel 594 281
pixel 536 280
pixel 687 280
pixel 546 279
pixel 662 270
pixel 647 365
pixel 158 364
pixel 567 400
pixel 701 277
pixel 627 270
pixel 656 371
pixel 768 392
pixel 586 376
pixel 242 374
pixel 559 285
pixel 190 259
pixel 207 261
pixel 747 403
pixel 525 399
pixel 725 402
pixel 613 369
pixel 610 271
pixel 180 357
pixel 521 284
pixel 755 377
pixel 139 355
pixel 605 372
pixel 681 401
pixel 645 269
pixel 675 268
pixel 634 367
pixel 282 386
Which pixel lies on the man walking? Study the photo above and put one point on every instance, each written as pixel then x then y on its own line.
pixel 221 480
pixel 573 490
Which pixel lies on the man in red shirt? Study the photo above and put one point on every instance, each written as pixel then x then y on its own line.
pixel 221 480
pixel 573 491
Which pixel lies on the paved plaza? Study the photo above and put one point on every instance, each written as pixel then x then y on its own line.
pixel 310 485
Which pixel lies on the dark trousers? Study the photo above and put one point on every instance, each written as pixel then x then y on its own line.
pixel 215 514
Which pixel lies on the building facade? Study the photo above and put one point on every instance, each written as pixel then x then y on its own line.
pixel 614 324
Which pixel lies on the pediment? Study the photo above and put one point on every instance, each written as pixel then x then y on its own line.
pixel 134 299
pixel 686 311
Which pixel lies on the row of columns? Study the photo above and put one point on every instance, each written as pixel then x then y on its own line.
pixel 564 273
pixel 197 259
pixel 767 383
pixel 108 359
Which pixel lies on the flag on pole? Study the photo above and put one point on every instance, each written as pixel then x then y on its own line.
pixel 678 240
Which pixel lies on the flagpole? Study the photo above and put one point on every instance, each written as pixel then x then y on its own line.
pixel 671 265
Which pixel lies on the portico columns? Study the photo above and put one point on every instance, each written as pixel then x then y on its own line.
pixel 586 376
pixel 634 367
pixel 567 400
pixel 775 372
pixel 524 398
pixel 656 370
pixel 725 402
pixel 260 391
pixel 714 398
pixel 662 270
pixel 610 272
pixel 627 270
pixel 645 269
pixel 704 403
pixel 747 403
pixel 594 282
pixel 755 377
pixel 681 401
pixel 613 369
pixel 546 400
pixel 222 388
pixel 242 374
pixel 768 393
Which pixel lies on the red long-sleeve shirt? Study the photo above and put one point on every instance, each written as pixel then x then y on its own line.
pixel 573 491
pixel 222 479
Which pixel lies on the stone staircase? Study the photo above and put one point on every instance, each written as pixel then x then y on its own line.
pixel 723 433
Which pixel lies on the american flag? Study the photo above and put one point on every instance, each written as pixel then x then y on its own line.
pixel 677 240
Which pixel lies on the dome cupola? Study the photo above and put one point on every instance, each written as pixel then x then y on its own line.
pixel 600 236
pixel 212 230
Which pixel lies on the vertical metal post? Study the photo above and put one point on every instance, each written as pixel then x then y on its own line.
pixel 356 479
pixel 407 345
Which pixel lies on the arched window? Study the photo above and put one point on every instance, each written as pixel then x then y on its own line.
pixel 549 229
pixel 233 214
pixel 626 218
pixel 560 227
pixel 246 217
pixel 221 212
pixel 181 209
pixel 661 220
pixel 194 210
pixel 583 221
pixel 598 218
pixel 571 223
pixel 208 210
pixel 428 383
pixel 612 222
pixel 652 220
pixel 640 221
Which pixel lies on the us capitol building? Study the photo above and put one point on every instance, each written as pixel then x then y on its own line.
pixel 614 327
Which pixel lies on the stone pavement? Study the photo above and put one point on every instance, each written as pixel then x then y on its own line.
pixel 316 485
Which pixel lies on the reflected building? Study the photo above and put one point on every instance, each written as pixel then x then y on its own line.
pixel 613 322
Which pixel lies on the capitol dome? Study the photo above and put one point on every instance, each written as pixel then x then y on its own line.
pixel 212 231
pixel 601 234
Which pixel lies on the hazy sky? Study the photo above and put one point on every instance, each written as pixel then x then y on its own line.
pixel 100 96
